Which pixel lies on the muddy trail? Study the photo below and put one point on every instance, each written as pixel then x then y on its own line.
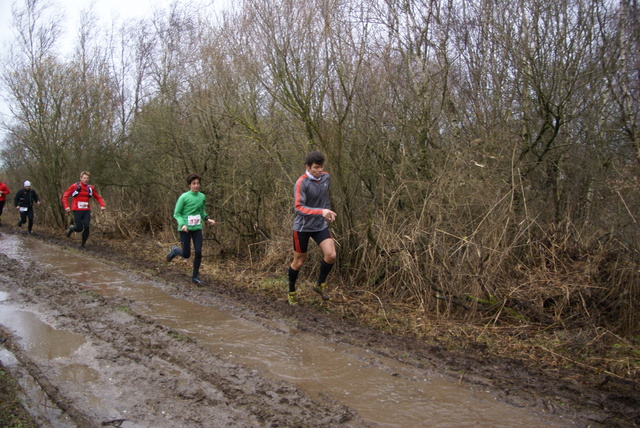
pixel 99 341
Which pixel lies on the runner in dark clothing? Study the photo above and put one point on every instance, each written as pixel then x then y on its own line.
pixel 24 200
pixel 312 211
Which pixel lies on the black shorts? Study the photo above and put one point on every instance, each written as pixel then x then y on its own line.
pixel 301 239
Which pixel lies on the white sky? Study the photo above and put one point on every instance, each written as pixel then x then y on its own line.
pixel 106 10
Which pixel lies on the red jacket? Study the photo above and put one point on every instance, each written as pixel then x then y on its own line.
pixel 5 191
pixel 81 200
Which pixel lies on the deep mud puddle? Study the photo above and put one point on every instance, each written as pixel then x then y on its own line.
pixel 382 391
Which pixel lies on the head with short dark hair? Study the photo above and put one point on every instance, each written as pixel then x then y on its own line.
pixel 314 157
pixel 192 177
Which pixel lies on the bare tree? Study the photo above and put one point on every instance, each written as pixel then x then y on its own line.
pixel 39 98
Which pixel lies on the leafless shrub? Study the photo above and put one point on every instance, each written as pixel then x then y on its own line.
pixel 483 155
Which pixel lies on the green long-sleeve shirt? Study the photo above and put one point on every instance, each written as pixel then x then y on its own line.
pixel 190 210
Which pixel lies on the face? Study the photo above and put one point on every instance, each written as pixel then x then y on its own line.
pixel 194 186
pixel 84 178
pixel 315 170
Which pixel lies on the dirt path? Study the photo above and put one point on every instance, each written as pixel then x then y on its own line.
pixel 169 380
pixel 165 379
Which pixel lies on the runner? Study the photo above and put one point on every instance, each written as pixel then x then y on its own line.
pixel 24 200
pixel 4 191
pixel 312 211
pixel 81 192
pixel 190 212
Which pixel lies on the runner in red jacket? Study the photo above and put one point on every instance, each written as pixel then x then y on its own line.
pixel 81 192
pixel 4 191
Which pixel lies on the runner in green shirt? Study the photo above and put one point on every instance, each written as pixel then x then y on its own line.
pixel 190 214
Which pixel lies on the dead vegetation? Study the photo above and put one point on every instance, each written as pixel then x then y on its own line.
pixel 550 317
pixel 485 180
pixel 519 344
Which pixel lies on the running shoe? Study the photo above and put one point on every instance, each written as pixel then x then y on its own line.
pixel 69 231
pixel 172 254
pixel 320 289
pixel 19 224
pixel 292 299
pixel 197 281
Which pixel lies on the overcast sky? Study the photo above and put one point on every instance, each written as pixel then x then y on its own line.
pixel 106 10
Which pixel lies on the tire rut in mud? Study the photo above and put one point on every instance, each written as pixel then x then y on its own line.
pixel 163 376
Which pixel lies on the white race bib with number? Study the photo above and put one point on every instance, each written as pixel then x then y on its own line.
pixel 193 220
pixel 24 209
pixel 83 205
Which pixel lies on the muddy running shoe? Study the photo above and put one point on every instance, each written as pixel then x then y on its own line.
pixel 197 281
pixel 292 299
pixel 19 224
pixel 172 254
pixel 69 231
pixel 320 289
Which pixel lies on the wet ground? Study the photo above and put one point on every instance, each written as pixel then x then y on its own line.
pixel 94 344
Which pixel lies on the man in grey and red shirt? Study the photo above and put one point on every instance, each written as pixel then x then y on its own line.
pixel 312 212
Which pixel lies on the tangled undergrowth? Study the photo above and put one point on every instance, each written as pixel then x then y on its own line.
pixel 514 328
pixel 574 348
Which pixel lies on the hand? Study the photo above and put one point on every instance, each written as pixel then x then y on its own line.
pixel 103 208
pixel 185 228
pixel 211 222
pixel 329 215
pixel 67 209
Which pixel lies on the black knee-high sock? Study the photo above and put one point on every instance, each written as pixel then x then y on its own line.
pixel 293 277
pixel 325 268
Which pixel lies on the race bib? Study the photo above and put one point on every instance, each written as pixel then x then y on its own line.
pixel 24 209
pixel 193 220
pixel 83 205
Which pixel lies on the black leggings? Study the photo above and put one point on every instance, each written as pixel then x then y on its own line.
pixel 28 214
pixel 81 221
pixel 185 240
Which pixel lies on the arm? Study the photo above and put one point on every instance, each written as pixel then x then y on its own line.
pixel 327 212
pixel 65 197
pixel 328 199
pixel 98 198
pixel 300 196
pixel 204 214
pixel 177 213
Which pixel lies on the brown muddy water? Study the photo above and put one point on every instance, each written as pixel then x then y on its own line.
pixel 384 392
